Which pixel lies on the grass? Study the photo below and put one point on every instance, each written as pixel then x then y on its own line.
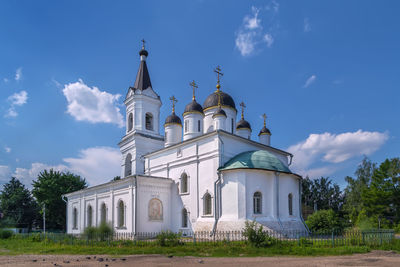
pixel 222 249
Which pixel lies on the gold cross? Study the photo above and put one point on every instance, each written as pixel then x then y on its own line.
pixel 243 106
pixel 143 42
pixel 194 86
pixel 264 117
pixel 174 100
pixel 219 73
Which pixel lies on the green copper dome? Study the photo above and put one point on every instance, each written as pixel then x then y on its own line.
pixel 259 159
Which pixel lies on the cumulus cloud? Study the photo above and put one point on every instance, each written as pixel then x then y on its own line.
pixel 5 174
pixel 91 104
pixel 18 74
pixel 307 25
pixel 17 99
pixel 7 149
pixel 310 81
pixel 332 149
pixel 251 34
pixel 97 165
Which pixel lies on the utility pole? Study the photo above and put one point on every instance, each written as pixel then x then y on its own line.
pixel 44 218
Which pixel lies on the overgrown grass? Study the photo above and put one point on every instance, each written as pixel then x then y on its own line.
pixel 15 246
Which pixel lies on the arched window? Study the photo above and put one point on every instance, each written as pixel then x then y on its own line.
pixel 121 214
pixel 128 165
pixel 186 126
pixel 184 218
pixel 184 183
pixel 257 203
pixel 149 121
pixel 103 213
pixel 207 210
pixel 232 125
pixel 130 122
pixel 198 126
pixel 89 216
pixel 75 218
pixel 290 201
pixel 155 210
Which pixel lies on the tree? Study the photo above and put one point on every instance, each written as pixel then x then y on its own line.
pixel 17 204
pixel 48 189
pixel 353 203
pixel 116 178
pixel 323 221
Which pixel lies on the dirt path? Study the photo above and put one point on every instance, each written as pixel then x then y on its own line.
pixel 374 258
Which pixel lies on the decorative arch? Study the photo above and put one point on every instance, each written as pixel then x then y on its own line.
pixel 257 202
pixel 121 214
pixel 103 213
pixel 184 218
pixel 290 202
pixel 75 218
pixel 130 122
pixel 128 165
pixel 184 183
pixel 89 215
pixel 207 204
pixel 155 210
pixel 149 121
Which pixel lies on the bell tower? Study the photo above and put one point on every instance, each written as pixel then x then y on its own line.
pixel 142 134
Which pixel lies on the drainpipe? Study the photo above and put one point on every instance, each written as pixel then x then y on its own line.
pixel 290 162
pixel 300 207
pixel 66 213
pixel 277 199
pixel 216 194
pixel 136 205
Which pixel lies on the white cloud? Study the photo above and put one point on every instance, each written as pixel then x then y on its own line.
pixel 7 149
pixel 5 80
pixel 251 35
pixel 17 99
pixel 310 81
pixel 333 149
pixel 91 104
pixel 18 74
pixel 268 39
pixel 307 25
pixel 97 165
pixel 5 174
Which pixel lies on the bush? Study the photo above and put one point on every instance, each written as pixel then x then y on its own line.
pixel 90 232
pixel 397 228
pixel 255 235
pixel 324 221
pixel 168 238
pixel 5 234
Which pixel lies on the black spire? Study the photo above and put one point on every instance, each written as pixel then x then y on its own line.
pixel 143 78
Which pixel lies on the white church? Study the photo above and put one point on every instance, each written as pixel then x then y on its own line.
pixel 204 174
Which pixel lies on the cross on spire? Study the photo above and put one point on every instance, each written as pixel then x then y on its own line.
pixel 243 106
pixel 194 86
pixel 219 74
pixel 265 118
pixel 143 43
pixel 174 100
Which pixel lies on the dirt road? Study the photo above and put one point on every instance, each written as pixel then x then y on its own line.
pixel 374 258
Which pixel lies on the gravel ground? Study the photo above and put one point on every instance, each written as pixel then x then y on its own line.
pixel 374 258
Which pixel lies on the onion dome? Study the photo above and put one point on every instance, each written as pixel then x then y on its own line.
pixel 143 52
pixel 243 124
pixel 193 107
pixel 173 119
pixel 212 101
pixel 219 112
pixel 264 129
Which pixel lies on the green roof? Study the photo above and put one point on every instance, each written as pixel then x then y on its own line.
pixel 259 159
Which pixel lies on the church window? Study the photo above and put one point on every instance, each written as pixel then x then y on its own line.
pixel 89 216
pixel 231 125
pixel 121 214
pixel 207 210
pixel 198 126
pixel 184 218
pixel 128 165
pixel 155 210
pixel 257 202
pixel 186 126
pixel 290 201
pixel 75 219
pixel 184 183
pixel 130 122
pixel 149 121
pixel 103 213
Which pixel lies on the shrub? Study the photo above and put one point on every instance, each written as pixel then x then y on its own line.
pixel 5 234
pixel 324 221
pixel 255 234
pixel 36 237
pixel 90 232
pixel 168 238
pixel 397 228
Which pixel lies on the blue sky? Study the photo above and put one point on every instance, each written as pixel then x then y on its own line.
pixel 325 72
